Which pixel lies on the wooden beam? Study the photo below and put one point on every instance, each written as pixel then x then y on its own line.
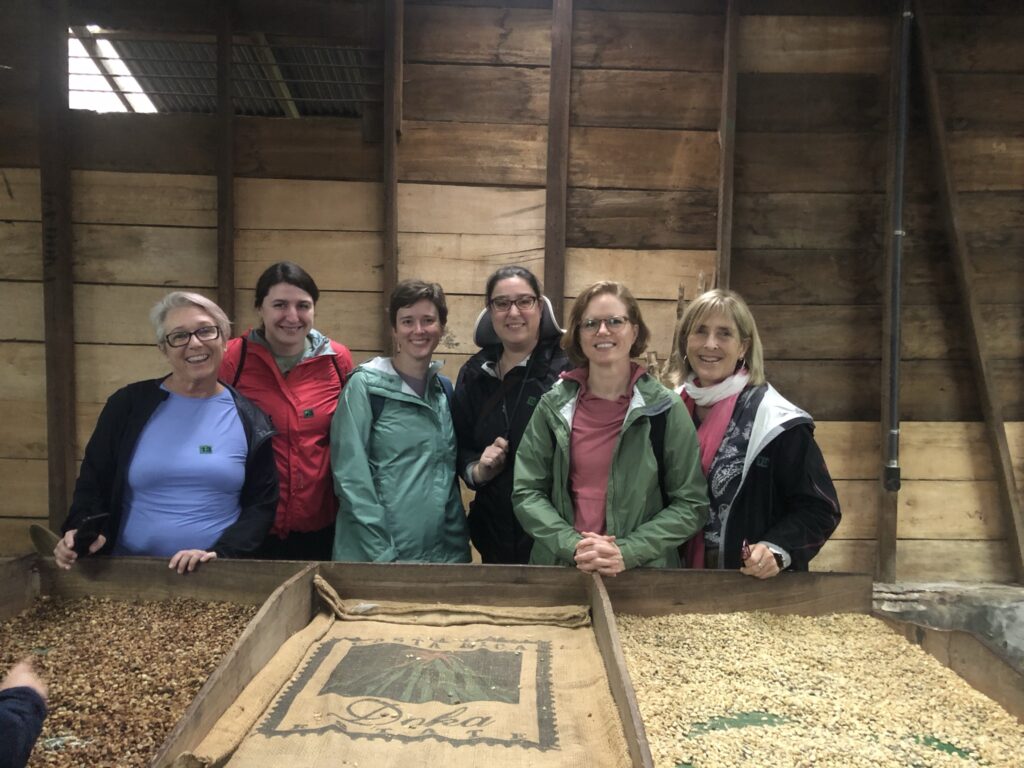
pixel 977 341
pixel 265 54
pixel 394 52
pixel 58 281
pixel 225 163
pixel 727 146
pixel 559 104
pixel 889 473
pixel 606 633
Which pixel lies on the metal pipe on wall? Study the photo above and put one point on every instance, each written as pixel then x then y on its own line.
pixel 891 471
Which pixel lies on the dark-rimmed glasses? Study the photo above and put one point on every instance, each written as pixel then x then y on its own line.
pixel 181 338
pixel 504 303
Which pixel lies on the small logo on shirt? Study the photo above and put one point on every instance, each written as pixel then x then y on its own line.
pixel 206 449
pixel 531 401
pixel 761 461
pixel 308 413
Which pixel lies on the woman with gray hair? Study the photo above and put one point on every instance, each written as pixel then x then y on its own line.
pixel 179 467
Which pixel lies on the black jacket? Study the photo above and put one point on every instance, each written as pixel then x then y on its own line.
pixel 22 711
pixel 484 408
pixel 787 498
pixel 101 481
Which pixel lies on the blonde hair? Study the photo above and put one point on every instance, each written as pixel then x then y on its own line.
pixel 732 305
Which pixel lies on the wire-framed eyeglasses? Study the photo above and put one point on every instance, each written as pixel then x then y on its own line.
pixel 614 324
pixel 181 338
pixel 504 303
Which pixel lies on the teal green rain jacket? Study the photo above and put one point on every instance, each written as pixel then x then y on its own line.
pixel 398 497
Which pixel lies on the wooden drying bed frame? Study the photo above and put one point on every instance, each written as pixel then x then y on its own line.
pixel 285 591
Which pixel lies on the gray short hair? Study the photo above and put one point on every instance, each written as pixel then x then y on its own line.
pixel 177 299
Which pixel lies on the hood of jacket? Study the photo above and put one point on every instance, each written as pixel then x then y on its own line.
pixel 649 397
pixel 381 378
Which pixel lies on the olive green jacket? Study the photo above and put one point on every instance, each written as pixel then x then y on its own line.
pixel 646 531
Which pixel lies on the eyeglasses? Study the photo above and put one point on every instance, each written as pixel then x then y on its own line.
pixel 504 303
pixel 614 324
pixel 203 333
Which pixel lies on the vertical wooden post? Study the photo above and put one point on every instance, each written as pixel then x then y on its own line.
pixel 58 278
pixel 972 311
pixel 225 164
pixel 727 149
pixel 558 154
pixel 394 25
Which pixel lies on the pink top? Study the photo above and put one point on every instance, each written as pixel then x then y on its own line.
pixel 595 429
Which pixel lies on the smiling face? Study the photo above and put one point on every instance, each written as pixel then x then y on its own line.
pixel 518 329
pixel 287 313
pixel 417 331
pixel 604 345
pixel 714 348
pixel 194 366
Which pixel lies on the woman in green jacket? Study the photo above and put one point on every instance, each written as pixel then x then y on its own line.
pixel 608 476
pixel 393 446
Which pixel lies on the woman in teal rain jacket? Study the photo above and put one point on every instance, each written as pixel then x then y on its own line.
pixel 393 446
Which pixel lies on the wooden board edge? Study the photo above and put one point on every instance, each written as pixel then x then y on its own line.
pixel 457 583
pixel 658 592
pixel 970 658
pixel 606 634
pixel 288 608
pixel 21 584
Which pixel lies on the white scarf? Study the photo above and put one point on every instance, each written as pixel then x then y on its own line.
pixel 706 396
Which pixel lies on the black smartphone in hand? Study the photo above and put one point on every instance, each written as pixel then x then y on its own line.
pixel 88 531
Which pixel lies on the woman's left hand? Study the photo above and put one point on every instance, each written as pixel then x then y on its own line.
pixel 761 564
pixel 596 553
pixel 189 559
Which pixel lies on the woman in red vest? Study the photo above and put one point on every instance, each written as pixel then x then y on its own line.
pixel 295 374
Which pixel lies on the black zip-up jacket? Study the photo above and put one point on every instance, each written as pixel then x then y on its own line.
pixel 787 498
pixel 480 406
pixel 101 481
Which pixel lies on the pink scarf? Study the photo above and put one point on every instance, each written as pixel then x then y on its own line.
pixel 722 399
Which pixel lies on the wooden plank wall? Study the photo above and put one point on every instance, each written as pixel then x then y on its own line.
pixel 643 178
pixel 471 160
pixel 644 152
pixel 950 521
pixel 23 475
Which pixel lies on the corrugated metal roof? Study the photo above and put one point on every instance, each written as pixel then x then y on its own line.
pixel 269 78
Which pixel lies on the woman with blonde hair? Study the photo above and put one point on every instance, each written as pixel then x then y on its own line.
pixel 607 475
pixel 773 504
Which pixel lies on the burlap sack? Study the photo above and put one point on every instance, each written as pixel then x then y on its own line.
pixel 380 691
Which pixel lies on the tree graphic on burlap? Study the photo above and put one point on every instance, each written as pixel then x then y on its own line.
pixel 415 675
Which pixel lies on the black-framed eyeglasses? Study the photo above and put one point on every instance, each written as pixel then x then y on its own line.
pixel 614 324
pixel 181 338
pixel 504 303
